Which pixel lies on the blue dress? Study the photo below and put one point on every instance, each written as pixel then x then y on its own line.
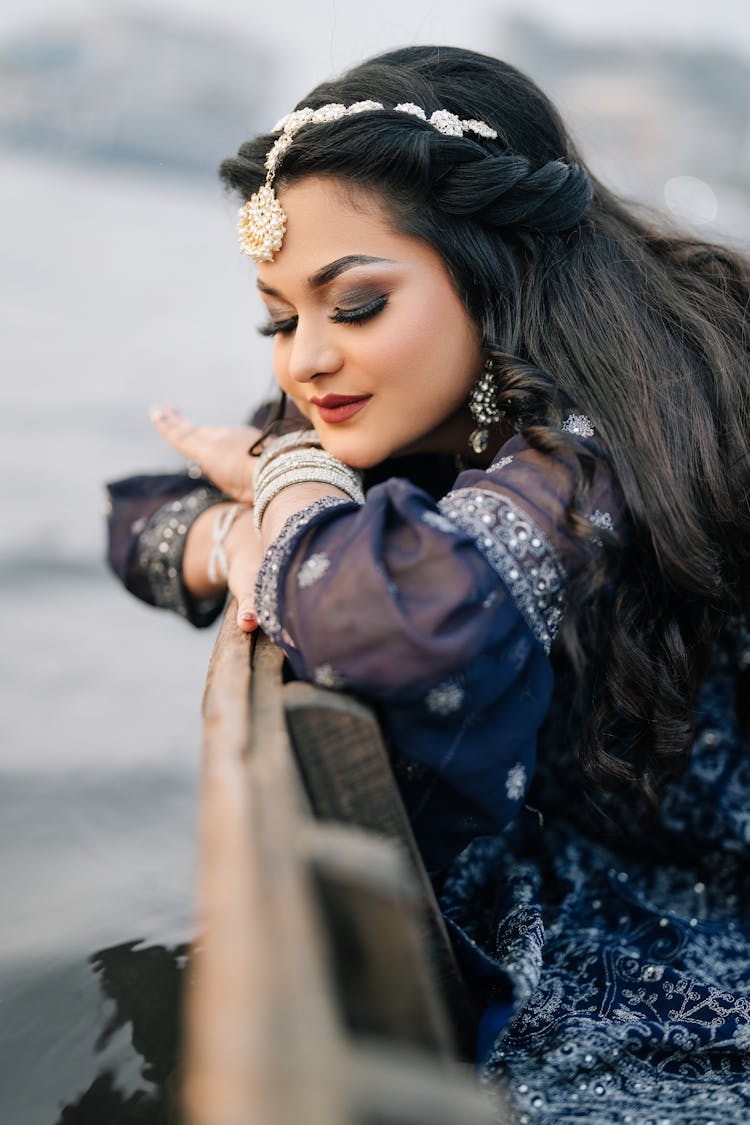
pixel 611 957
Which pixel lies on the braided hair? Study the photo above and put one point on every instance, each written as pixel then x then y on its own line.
pixel 582 303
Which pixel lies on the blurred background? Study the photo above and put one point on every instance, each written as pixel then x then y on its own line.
pixel 121 285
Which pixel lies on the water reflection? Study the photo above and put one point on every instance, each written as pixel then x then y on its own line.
pixel 144 985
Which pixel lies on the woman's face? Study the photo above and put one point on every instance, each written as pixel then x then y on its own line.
pixel 371 341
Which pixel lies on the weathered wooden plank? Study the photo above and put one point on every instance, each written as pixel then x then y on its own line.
pixel 260 1030
pixel 347 773
pixel 310 994
pixel 402 1087
pixel 304 1023
pixel 371 903
pixel 228 1058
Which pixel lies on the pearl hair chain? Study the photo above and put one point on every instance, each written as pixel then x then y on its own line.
pixel 262 220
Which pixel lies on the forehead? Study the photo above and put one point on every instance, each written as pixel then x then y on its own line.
pixel 327 219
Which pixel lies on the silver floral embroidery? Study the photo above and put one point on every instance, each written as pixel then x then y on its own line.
pixel 515 783
pixel 276 558
pixel 162 543
pixel 445 698
pixel 327 677
pixel 602 519
pixel 313 569
pixel 434 519
pixel 496 466
pixel 517 550
pixel 579 425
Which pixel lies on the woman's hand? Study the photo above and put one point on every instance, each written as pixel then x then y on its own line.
pixel 244 555
pixel 220 451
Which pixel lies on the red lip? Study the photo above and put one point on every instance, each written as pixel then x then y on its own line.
pixel 339 408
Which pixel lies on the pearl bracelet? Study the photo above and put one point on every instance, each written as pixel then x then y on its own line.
pixel 302 466
pixel 218 563
pixel 298 439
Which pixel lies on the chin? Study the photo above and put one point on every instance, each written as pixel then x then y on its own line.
pixel 353 453
pixel 357 459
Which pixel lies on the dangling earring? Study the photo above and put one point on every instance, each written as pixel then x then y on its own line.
pixel 483 407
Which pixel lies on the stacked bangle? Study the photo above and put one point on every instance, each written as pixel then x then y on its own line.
pixel 298 459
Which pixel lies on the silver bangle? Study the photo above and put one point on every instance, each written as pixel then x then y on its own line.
pixel 298 439
pixel 303 466
pixel 218 563
pixel 277 461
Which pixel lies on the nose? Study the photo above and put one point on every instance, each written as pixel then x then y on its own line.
pixel 313 352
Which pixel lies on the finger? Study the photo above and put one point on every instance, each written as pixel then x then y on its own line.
pixel 182 435
pixel 246 619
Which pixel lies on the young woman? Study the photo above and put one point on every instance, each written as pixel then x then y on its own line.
pixel 511 508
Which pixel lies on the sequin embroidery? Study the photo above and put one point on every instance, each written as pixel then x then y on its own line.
pixel 445 698
pixel 517 550
pixel 515 784
pixel 579 425
pixel 162 544
pixel 313 569
pixel 275 559
pixel 496 466
pixel 327 677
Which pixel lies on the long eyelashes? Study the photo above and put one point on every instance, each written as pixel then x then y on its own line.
pixel 278 327
pixel 340 316
pixel 361 314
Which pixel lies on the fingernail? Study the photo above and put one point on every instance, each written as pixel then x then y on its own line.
pixel 246 615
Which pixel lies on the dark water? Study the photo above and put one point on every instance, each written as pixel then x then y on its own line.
pixel 115 291
pixel 97 838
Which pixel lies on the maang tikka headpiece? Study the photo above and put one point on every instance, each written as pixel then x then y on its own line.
pixel 262 223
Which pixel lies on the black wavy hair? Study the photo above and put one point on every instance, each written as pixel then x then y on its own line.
pixel 581 302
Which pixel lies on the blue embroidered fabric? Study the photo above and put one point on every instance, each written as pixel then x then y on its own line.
pixel 611 959
pixel 616 963
pixel 442 615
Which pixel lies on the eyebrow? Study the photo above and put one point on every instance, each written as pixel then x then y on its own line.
pixel 333 270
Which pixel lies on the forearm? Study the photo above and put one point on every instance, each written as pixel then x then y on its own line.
pixel 290 501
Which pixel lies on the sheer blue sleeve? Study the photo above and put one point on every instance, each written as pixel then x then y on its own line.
pixel 442 615
pixel 148 518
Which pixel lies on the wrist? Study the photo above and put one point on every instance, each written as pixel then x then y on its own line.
pixel 290 501
pixel 205 563
pixel 217 566
pixel 282 469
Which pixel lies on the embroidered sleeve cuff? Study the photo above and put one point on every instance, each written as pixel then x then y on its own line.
pixel 277 558
pixel 518 552
pixel 161 545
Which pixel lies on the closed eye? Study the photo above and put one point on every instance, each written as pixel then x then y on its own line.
pixel 358 315
pixel 278 327
pixel 361 313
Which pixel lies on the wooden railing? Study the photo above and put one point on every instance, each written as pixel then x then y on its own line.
pixel 323 989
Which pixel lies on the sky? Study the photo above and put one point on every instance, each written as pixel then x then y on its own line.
pixel 321 37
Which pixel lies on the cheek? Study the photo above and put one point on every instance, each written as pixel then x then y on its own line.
pixel 439 348
pixel 422 336
pixel 281 366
